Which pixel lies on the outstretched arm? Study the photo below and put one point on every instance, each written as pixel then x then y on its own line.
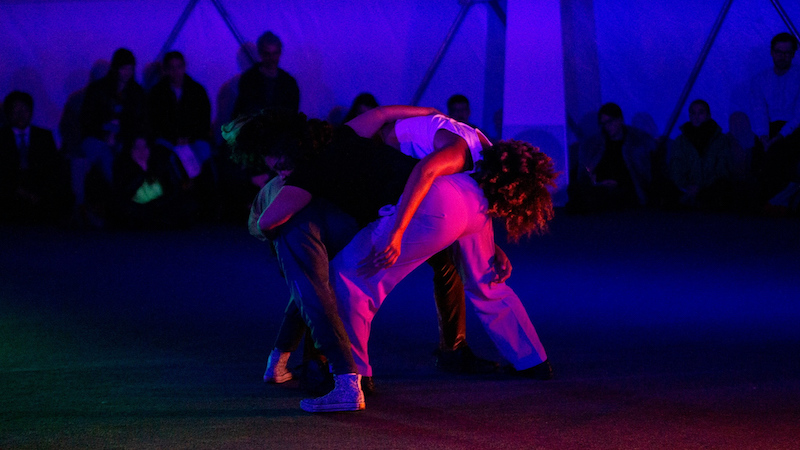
pixel 289 201
pixel 449 159
pixel 368 123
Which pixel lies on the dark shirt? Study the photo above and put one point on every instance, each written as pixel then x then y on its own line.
pixel 258 91
pixel 700 137
pixel 612 167
pixel 173 118
pixel 103 104
pixel 356 174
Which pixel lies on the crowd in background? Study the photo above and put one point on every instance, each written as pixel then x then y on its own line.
pixel 136 158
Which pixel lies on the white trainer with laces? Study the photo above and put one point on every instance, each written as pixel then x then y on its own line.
pixel 345 396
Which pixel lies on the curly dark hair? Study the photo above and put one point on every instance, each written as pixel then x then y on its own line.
pixel 282 134
pixel 515 177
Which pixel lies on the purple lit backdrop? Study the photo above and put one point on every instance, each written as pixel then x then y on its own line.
pixel 644 50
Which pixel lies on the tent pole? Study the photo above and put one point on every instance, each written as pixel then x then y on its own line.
pixel 232 28
pixel 785 18
pixel 442 49
pixel 499 11
pixel 466 5
pixel 698 65
pixel 177 29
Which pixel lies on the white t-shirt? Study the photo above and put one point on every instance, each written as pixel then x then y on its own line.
pixel 416 135
pixel 776 98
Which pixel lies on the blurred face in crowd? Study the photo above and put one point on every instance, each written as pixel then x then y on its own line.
pixel 125 73
pixel 175 70
pixel 612 126
pixel 782 54
pixel 459 111
pixel 698 114
pixel 21 115
pixel 270 56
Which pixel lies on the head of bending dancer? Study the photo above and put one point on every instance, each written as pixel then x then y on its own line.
pixel 515 177
pixel 276 140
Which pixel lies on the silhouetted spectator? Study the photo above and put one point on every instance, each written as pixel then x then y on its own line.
pixel 34 178
pixel 113 111
pixel 147 194
pixel 458 109
pixel 69 126
pixel 361 104
pixel 614 167
pixel 265 85
pixel 701 161
pixel 180 114
pixel 776 119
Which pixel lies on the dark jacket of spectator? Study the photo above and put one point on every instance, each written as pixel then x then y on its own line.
pixel 172 118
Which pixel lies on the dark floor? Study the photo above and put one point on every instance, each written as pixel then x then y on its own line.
pixel 667 330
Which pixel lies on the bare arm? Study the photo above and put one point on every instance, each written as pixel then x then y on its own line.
pixel 368 123
pixel 501 266
pixel 289 201
pixel 450 158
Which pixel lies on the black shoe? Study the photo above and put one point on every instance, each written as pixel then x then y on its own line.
pixel 316 379
pixel 542 371
pixel 462 360
pixel 368 386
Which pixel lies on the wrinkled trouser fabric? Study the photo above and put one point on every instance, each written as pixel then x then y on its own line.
pixel 453 212
pixel 302 246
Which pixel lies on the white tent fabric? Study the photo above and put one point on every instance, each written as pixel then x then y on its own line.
pixel 638 54
pixel 335 50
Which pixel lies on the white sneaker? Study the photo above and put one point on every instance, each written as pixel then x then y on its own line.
pixel 345 396
pixel 276 367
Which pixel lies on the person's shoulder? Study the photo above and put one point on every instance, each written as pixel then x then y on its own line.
pixel 41 130
pixel 250 73
pixel 193 84
pixel 160 87
pixel 6 132
pixel 594 141
pixel 286 76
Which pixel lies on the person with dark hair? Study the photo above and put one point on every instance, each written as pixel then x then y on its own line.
pixel 361 104
pixel 701 161
pixel 147 194
pixel 180 114
pixel 265 85
pixel 776 116
pixel 34 178
pixel 417 137
pixel 458 109
pixel 362 177
pixel 114 110
pixel 614 166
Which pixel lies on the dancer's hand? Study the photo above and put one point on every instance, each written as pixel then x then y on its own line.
pixel 501 266
pixel 384 254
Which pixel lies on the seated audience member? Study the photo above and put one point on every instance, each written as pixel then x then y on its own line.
pixel 361 104
pixel 147 194
pixel 745 146
pixel 662 191
pixel 776 116
pixel 614 167
pixel 113 112
pixel 69 125
pixel 701 161
pixel 34 179
pixel 458 109
pixel 265 85
pixel 180 115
